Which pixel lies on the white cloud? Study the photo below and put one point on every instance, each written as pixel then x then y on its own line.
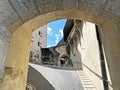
pixel 49 31
pixel 57 38
pixel 48 46
pixel 61 32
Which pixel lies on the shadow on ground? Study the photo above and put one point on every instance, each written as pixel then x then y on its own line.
pixel 37 80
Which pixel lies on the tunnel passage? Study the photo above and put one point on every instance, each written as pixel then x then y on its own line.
pixel 20 18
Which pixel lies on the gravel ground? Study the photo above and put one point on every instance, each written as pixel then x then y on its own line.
pixel 60 79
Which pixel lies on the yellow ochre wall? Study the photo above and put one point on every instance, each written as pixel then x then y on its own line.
pixel 17 61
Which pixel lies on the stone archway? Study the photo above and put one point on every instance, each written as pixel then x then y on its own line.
pixel 63 56
pixel 45 11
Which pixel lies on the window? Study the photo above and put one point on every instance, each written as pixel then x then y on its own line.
pixel 38 43
pixel 40 34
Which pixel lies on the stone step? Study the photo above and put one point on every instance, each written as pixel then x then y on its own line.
pixel 87 84
pixel 89 88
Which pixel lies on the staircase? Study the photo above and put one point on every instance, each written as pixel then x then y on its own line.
pixel 87 84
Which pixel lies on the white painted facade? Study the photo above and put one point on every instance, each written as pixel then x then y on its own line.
pixel 85 54
pixel 90 54
pixel 39 40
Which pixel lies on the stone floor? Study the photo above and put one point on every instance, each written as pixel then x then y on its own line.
pixel 37 80
pixel 62 79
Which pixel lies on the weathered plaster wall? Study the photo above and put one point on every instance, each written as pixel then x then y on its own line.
pixel 105 13
pixel 111 43
pixel 75 57
pixel 17 61
pixel 90 54
pixel 108 73
pixel 5 37
pixel 62 51
pixel 13 13
pixel 42 38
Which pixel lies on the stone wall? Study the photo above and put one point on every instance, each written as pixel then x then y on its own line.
pixel 14 13
pixel 105 13
pixel 17 60
pixel 5 37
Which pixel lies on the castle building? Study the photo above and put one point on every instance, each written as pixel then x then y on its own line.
pixel 38 41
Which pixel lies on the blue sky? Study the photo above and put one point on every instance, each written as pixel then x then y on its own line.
pixel 55 32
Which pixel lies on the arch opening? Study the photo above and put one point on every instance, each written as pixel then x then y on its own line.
pixel 18 56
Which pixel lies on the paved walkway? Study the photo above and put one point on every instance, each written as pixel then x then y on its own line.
pixel 60 79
